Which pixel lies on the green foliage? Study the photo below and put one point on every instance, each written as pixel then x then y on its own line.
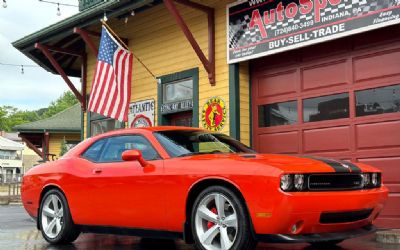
pixel 64 148
pixel 11 116
pixel 67 100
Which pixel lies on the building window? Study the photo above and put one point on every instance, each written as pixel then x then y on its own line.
pixel 100 124
pixel 178 91
pixel 378 100
pixel 283 113
pixel 326 108
pixel 178 97
pixel 9 155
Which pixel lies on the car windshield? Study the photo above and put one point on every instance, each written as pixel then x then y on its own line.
pixel 183 143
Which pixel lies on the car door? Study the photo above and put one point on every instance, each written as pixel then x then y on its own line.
pixel 126 194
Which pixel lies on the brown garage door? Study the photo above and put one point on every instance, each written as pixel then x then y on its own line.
pixel 339 99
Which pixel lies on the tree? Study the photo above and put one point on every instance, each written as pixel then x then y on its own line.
pixel 11 116
pixel 64 148
pixel 65 101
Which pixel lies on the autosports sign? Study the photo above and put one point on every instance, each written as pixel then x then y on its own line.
pixel 263 27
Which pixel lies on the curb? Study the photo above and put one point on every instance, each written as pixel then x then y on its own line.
pixel 391 236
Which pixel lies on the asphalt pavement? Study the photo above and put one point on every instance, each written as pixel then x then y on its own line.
pixel 18 231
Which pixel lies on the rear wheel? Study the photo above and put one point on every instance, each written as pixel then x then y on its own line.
pixel 220 221
pixel 55 219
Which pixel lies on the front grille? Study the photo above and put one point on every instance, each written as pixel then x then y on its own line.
pixel 327 182
pixel 343 217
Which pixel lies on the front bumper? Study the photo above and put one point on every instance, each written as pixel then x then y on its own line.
pixel 306 211
pixel 315 238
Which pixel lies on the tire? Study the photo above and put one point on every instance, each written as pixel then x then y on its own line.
pixel 57 226
pixel 231 231
pixel 330 244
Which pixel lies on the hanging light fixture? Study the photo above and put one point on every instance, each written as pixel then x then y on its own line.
pixel 58 9
pixel 22 69
pixel 105 19
pixel 4 4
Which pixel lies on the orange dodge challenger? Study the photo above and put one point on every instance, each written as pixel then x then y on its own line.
pixel 207 188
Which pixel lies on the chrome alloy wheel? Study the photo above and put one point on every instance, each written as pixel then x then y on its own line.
pixel 216 222
pixel 52 216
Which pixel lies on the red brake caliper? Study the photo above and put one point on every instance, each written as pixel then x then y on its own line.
pixel 211 224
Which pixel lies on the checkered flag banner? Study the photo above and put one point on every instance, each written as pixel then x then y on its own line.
pixel 253 23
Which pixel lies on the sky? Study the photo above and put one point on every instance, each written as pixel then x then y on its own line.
pixel 36 88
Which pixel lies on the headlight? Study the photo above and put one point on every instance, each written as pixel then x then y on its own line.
pixel 299 181
pixel 286 182
pixel 376 179
pixel 366 179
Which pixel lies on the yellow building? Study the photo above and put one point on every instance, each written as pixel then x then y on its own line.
pixel 156 39
pixel 45 137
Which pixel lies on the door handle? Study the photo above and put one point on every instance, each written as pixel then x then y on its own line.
pixel 97 171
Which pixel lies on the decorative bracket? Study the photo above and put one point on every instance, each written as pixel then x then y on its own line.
pixel 86 38
pixel 209 64
pixel 46 51
pixel 33 147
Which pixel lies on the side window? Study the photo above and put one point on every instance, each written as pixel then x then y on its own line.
pixel 93 152
pixel 115 146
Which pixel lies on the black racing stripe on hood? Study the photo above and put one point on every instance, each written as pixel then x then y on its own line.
pixel 336 165
pixel 354 168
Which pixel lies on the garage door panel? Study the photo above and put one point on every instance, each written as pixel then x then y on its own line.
pixel 277 84
pixel 392 206
pixel 286 142
pixel 383 222
pixel 327 139
pixel 365 67
pixel 390 167
pixel 325 75
pixel 370 132
pixel 378 135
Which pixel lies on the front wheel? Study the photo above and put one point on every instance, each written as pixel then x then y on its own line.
pixel 55 219
pixel 220 221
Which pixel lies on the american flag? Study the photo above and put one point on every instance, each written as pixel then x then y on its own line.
pixel 111 87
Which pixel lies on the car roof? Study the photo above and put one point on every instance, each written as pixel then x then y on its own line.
pixel 146 130
pixel 126 131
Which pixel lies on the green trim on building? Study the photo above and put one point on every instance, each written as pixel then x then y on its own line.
pixel 191 73
pixel 234 101
pixel 82 124
pixel 250 107
pixel 82 19
pixel 88 128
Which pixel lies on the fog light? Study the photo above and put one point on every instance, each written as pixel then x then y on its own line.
pixel 293 229
pixel 297 227
pixel 286 182
pixel 299 181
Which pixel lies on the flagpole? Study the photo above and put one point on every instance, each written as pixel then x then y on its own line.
pixel 114 34
pixel 126 47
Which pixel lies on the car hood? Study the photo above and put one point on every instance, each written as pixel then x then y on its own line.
pixel 287 163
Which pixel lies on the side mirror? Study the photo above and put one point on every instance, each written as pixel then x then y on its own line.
pixel 134 155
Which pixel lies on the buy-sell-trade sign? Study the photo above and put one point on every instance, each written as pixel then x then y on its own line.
pixel 258 28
